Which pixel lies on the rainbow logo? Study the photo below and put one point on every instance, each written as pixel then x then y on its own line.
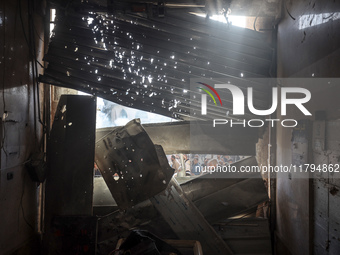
pixel 209 93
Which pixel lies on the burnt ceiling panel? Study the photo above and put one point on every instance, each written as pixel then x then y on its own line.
pixel 146 62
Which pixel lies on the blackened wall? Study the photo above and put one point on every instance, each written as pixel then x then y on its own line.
pixel 308 46
pixel 20 130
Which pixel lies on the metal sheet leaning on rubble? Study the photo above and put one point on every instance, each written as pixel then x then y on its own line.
pixel 184 218
pixel 187 221
pixel 130 164
pixel 229 194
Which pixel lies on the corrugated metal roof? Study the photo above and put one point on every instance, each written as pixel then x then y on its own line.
pixel 147 63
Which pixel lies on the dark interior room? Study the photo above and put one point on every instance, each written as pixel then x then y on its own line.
pixel 180 127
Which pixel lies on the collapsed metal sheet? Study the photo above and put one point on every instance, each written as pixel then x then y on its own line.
pixel 133 168
pixel 188 209
pixel 186 220
pixel 216 198
pixel 227 196
pixel 175 138
pixel 115 56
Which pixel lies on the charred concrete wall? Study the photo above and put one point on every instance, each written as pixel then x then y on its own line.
pixel 307 48
pixel 19 126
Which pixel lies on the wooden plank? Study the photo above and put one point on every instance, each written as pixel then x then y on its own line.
pixel 244 228
pixel 334 222
pixel 70 159
pixel 334 175
pixel 333 146
pixel 320 240
pixel 321 203
pixel 319 136
pixel 333 136
pixel 69 181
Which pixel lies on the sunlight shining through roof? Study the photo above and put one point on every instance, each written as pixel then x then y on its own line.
pixel 238 21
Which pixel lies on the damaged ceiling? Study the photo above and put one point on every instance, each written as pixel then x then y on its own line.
pixel 146 61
